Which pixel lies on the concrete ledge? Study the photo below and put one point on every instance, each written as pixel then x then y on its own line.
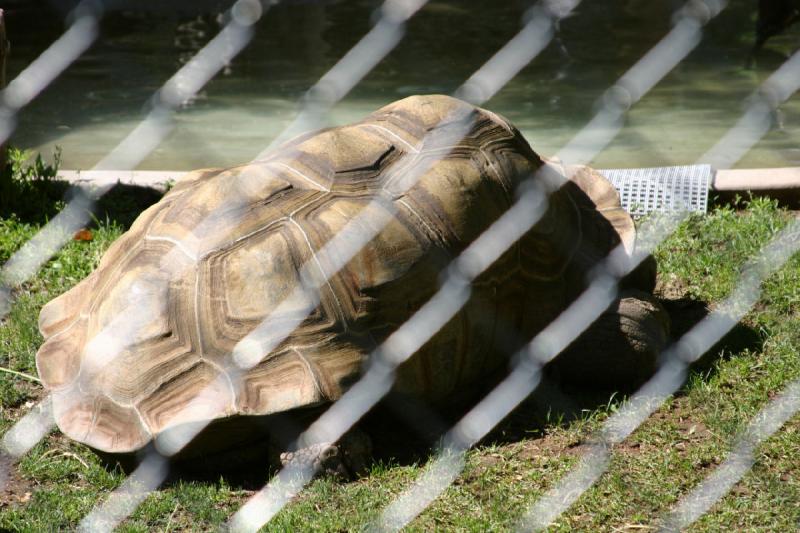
pixel 783 184
pixel 156 179
pixel 780 183
pixel 753 179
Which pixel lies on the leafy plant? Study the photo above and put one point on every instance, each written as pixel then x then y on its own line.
pixel 29 190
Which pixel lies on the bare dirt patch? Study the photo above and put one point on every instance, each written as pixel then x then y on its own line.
pixel 14 489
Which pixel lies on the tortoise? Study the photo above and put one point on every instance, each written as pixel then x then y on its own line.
pixel 131 345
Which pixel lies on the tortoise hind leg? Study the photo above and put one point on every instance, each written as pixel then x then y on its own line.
pixel 620 350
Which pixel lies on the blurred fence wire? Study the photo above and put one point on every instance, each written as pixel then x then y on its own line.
pixel 348 72
pixel 739 462
pixel 539 25
pixel 79 36
pixel 455 291
pixel 329 260
pixel 136 145
pixel 558 335
pixel 670 376
pixel 233 37
pixel 81 33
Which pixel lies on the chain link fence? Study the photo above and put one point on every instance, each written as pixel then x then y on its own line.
pixel 539 26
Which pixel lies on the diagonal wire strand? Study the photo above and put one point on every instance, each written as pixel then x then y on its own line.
pixel 182 86
pixel 525 377
pixel 338 252
pixel 130 151
pixel 335 84
pixel 379 378
pixel 749 129
pixel 666 381
pixel 332 87
pixel 741 459
pixel 80 35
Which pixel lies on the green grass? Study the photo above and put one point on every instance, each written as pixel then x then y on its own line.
pixel 59 481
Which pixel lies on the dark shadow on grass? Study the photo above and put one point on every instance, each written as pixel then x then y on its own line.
pixel 685 313
pixel 403 431
pixel 124 203
pixel 32 202
pixel 39 201
pixel 559 403
pixel 406 431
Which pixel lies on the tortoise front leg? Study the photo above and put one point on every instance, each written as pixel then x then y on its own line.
pixel 620 350
pixel 348 458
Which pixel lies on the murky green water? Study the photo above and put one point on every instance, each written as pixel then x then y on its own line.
pixel 98 100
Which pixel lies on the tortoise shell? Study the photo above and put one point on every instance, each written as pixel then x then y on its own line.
pixel 130 346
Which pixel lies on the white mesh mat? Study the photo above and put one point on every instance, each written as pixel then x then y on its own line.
pixel 644 190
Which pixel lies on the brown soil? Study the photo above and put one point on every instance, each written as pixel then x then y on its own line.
pixel 14 489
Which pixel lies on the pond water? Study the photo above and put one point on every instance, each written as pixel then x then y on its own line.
pixel 102 96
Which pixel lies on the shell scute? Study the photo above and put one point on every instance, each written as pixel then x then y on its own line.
pixel 98 421
pixel 243 285
pixel 199 392
pixel 280 383
pixel 58 360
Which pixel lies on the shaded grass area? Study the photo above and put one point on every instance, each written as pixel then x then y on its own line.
pixel 59 481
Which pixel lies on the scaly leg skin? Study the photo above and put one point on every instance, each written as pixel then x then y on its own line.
pixel 620 350
pixel 347 459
